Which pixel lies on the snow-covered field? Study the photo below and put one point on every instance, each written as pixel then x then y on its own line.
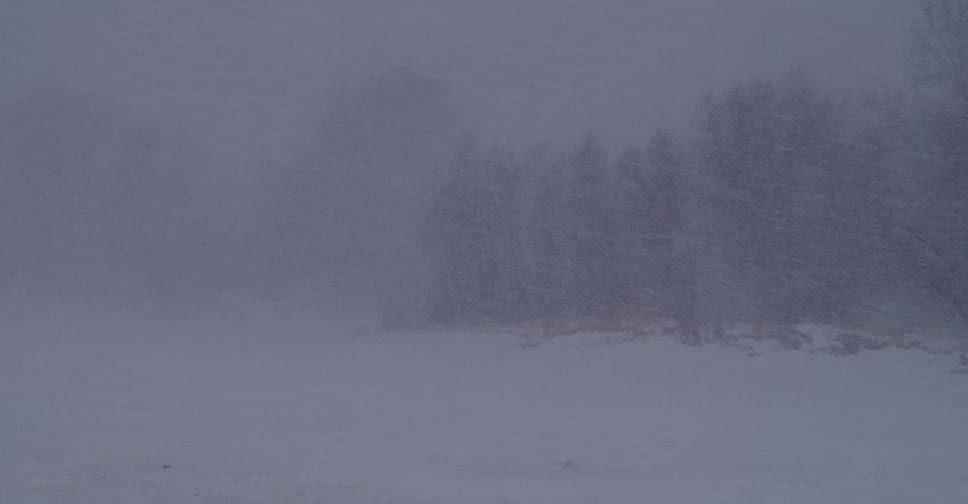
pixel 98 407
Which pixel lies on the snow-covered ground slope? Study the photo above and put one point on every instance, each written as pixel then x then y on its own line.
pixel 101 408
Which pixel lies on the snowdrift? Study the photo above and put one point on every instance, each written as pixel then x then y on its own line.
pixel 109 407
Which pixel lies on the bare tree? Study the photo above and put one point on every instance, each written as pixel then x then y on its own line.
pixel 936 239
pixel 939 54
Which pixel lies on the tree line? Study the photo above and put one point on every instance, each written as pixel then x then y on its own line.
pixel 782 203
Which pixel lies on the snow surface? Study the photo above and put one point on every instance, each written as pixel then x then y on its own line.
pixel 101 407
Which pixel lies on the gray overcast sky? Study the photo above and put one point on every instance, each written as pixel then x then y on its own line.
pixel 251 73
